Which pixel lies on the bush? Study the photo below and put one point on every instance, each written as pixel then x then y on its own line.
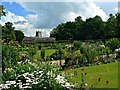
pixel 113 43
pixel 10 56
pixel 58 55
pixel 77 44
pixel 43 53
pixel 46 76
pixel 32 50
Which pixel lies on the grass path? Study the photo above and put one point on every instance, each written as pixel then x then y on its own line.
pixel 107 72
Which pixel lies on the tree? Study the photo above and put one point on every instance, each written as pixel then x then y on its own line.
pixel 19 35
pixel 118 24
pixel 93 28
pixel 43 54
pixel 57 32
pixel 78 19
pixel 79 28
pixel 2 12
pixel 110 27
pixel 8 32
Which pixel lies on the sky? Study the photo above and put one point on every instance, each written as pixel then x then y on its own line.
pixel 44 16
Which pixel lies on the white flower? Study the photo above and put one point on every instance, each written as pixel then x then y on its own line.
pixel 40 72
pixel 117 49
pixel 63 81
pixel 25 74
pixel 19 80
pixel 35 83
pixel 26 87
pixel 19 62
pixel 5 86
pixel 19 83
pixel 12 82
pixel 36 60
pixel 86 84
pixel 102 46
pixel 26 84
pixel 20 86
pixel 7 81
pixel 29 81
pixel 45 87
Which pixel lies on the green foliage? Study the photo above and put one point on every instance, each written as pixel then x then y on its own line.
pixel 39 47
pixel 19 35
pixel 118 24
pixel 10 55
pixel 32 50
pixel 2 12
pixel 111 27
pixel 35 76
pixel 9 74
pixel 91 28
pixel 58 55
pixel 8 32
pixel 43 53
pixel 77 44
pixel 113 43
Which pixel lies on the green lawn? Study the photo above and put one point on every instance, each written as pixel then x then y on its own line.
pixel 48 52
pixel 107 72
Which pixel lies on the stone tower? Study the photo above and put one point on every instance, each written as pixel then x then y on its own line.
pixel 38 34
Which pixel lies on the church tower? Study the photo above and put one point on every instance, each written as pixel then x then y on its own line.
pixel 39 34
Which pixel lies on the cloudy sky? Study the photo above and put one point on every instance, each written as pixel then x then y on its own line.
pixel 32 16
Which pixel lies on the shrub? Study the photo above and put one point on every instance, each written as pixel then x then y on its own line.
pixel 58 55
pixel 113 43
pixel 32 50
pixel 39 47
pixel 45 77
pixel 43 53
pixel 10 56
pixel 77 44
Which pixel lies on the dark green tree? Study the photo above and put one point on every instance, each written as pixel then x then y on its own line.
pixel 79 28
pixel 43 54
pixel 118 24
pixel 8 32
pixel 56 32
pixel 19 35
pixel 93 28
pixel 110 27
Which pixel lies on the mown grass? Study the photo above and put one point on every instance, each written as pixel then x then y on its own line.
pixel 48 52
pixel 107 72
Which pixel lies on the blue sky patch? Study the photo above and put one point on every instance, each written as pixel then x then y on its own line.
pixel 16 9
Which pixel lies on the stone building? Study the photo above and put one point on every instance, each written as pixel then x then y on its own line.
pixel 38 39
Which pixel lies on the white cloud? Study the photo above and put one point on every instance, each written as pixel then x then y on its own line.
pixel 11 17
pixel 26 27
pixel 50 14
pixel 117 9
